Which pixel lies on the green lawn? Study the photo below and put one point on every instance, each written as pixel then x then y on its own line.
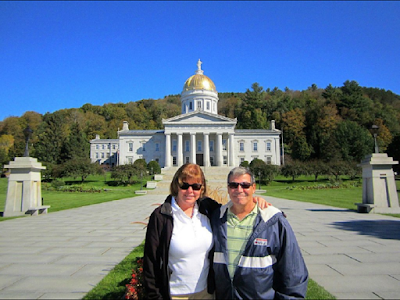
pixel 67 200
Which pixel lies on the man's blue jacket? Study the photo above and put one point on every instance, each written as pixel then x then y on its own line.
pixel 271 266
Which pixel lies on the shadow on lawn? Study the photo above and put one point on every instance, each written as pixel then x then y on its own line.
pixel 383 229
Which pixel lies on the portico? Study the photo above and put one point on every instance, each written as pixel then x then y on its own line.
pixel 203 148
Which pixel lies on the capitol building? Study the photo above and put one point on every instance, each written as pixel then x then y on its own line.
pixel 198 135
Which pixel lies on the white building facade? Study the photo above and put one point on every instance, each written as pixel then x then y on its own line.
pixel 199 135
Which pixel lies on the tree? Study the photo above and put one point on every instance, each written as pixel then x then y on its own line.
pixel 153 167
pixel 77 145
pixel 81 167
pixel 52 134
pixel 251 114
pixel 265 172
pixel 293 169
pixel 355 141
pixel 124 173
pixel 317 167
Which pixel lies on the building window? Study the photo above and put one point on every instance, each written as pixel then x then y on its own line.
pixel 97 154
pixel 108 155
pixel 254 146
pixel 114 146
pixel 130 159
pixel 97 147
pixel 108 146
pixel 223 144
pixel 190 105
pixel 241 146
pixel 208 105
pixel 104 147
pixel 143 146
pixel 211 160
pixel 102 155
pixel 157 147
pixel 268 160
pixel 157 160
pixel 241 159
pixel 211 146
pixel 174 145
pixel 268 146
pixel 199 104
pixel 199 146
pixel 130 147
pixel 225 160
pixel 187 147
pixel 187 159
pixel 174 160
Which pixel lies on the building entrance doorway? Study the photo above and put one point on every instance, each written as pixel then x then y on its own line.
pixel 199 159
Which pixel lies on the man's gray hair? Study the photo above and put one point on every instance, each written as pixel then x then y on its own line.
pixel 239 171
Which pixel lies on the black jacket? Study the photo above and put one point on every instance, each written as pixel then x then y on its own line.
pixel 158 237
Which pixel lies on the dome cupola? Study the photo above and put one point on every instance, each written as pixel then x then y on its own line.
pixel 199 93
pixel 198 81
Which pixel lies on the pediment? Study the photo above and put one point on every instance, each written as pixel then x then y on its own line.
pixel 199 117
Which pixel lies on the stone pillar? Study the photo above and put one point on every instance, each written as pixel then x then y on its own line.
pixel 231 149
pixel 192 147
pixel 277 152
pixel 168 150
pixel 206 149
pixel 24 191
pixel 379 187
pixel 219 150
pixel 180 150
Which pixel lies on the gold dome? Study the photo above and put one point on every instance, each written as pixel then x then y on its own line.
pixel 199 81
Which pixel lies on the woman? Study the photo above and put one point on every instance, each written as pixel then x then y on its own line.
pixel 178 246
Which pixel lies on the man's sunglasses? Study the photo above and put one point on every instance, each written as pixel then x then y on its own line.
pixel 244 185
pixel 195 186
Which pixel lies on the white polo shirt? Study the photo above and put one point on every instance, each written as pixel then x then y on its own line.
pixel 188 253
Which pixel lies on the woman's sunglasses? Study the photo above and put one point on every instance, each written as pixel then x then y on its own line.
pixel 195 186
pixel 244 185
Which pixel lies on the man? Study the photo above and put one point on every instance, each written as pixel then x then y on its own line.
pixel 256 252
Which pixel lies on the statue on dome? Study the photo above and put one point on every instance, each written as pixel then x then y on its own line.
pixel 199 65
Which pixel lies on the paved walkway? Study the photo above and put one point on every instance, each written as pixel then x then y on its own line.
pixel 63 255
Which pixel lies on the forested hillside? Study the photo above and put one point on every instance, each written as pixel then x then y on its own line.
pixel 327 124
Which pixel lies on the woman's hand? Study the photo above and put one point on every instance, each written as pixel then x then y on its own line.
pixel 262 203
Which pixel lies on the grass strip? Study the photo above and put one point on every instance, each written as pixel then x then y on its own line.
pixel 112 286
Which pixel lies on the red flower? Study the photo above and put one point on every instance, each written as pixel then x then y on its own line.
pixel 135 289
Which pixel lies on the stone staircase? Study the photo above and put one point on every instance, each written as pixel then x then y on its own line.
pixel 215 177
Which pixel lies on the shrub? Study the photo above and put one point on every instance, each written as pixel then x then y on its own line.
pixel 153 167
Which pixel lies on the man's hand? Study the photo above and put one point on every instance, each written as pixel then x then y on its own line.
pixel 262 203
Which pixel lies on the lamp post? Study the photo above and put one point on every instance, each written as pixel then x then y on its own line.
pixel 28 134
pixel 375 134
pixel 141 180
pixel 259 180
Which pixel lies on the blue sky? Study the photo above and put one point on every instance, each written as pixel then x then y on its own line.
pixel 57 55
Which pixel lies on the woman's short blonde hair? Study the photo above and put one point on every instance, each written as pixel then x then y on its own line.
pixel 186 172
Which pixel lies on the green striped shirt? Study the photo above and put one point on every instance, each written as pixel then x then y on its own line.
pixel 238 233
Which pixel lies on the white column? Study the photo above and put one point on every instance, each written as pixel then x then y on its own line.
pixel 192 147
pixel 219 149
pixel 167 149
pixel 180 150
pixel 206 149
pixel 231 150
pixel 277 152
